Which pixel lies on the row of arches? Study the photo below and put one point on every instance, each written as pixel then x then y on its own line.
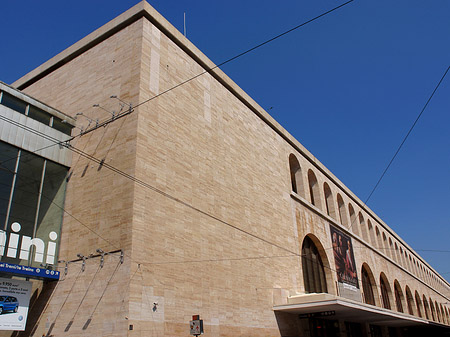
pixel 317 276
pixel 401 299
pixel 361 225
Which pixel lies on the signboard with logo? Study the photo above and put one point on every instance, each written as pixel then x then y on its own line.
pixel 14 301
pixel 30 272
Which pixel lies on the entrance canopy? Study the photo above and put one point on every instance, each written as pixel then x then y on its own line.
pixel 334 307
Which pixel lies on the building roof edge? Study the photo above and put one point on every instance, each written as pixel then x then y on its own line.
pixel 144 9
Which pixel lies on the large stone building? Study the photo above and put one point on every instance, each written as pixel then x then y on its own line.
pixel 191 199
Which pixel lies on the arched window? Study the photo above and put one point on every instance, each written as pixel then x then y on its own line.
pixel 379 243
pixel 341 209
pixel 398 296
pixel 418 304
pixel 385 244
pixel 426 307
pixel 329 200
pixel 296 176
pixel 397 257
pixel 443 314
pixel 391 249
pixel 362 224
pixel 313 270
pixel 314 193
pixel 402 262
pixel 438 313
pixel 433 312
pixel 371 232
pixel 409 301
pixel 406 261
pixel 353 224
pixel 367 285
pixel 385 290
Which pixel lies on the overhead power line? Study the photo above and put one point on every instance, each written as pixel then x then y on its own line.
pixel 245 52
pixel 407 135
pixel 131 108
pixel 148 186
pixel 403 142
pixel 142 183
pixel 89 157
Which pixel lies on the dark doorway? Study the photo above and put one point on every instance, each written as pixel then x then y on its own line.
pixel 375 331
pixel 323 328
pixel 353 329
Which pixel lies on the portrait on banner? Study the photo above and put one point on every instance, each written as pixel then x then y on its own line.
pixel 344 258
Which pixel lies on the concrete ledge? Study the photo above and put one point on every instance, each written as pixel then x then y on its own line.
pixel 336 307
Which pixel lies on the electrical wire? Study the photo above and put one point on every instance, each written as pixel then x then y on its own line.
pixel 244 53
pixel 292 254
pixel 403 141
pixel 141 183
pixel 131 108
pixel 148 186
pixel 81 153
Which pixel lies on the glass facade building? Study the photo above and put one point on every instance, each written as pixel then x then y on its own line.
pixel 32 179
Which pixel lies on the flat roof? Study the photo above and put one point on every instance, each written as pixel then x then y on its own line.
pixel 145 10
pixel 33 101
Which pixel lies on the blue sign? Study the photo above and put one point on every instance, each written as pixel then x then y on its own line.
pixel 39 273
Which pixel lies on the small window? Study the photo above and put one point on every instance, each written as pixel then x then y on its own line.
pixel 362 224
pixel 39 115
pixel 62 126
pixel 341 209
pixel 329 200
pixel 313 189
pixel 371 232
pixel 296 175
pixel 353 224
pixel 13 103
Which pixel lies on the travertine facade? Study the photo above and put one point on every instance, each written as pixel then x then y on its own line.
pixel 209 222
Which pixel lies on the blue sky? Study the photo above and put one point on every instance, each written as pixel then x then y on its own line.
pixel 348 86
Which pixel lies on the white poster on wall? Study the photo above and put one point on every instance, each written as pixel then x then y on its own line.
pixel 14 300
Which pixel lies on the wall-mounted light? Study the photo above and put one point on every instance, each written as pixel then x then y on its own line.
pixel 88 118
pixel 122 103
pixel 113 114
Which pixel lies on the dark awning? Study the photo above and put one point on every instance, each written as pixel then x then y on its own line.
pixel 335 307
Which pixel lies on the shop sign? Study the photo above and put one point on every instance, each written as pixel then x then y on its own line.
pixel 318 314
pixel 19 270
pixel 14 301
pixel 26 243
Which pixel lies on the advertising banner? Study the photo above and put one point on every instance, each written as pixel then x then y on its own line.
pixel 344 259
pixel 14 301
